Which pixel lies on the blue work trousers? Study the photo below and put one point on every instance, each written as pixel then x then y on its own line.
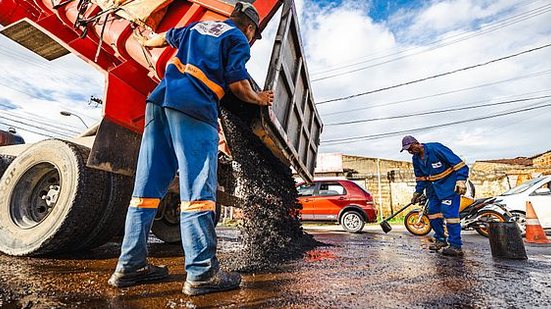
pixel 448 209
pixel 173 141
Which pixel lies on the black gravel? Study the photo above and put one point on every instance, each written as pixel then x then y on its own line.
pixel 271 231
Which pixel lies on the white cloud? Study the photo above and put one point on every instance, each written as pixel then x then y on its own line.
pixel 340 35
pixel 442 19
pixel 41 89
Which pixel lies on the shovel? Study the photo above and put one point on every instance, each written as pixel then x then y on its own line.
pixel 385 225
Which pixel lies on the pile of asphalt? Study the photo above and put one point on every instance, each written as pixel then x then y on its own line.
pixel 271 232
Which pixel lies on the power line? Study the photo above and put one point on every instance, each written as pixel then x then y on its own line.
pixel 43 129
pixel 437 44
pixel 39 132
pixel 397 50
pixel 389 134
pixel 444 93
pixel 27 120
pixel 437 75
pixel 37 117
pixel 440 111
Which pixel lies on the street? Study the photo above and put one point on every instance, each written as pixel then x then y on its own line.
pixel 366 270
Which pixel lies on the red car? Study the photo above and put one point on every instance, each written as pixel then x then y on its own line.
pixel 337 200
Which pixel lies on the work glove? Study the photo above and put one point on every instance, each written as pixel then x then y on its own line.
pixel 416 197
pixel 461 187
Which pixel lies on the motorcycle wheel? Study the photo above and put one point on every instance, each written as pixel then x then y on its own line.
pixel 492 216
pixel 419 229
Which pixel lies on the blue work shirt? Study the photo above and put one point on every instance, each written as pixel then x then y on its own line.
pixel 439 168
pixel 211 55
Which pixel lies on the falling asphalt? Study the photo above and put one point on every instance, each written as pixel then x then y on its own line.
pixel 366 270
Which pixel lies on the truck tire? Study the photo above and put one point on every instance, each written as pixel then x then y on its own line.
pixel 48 199
pixel 166 226
pixel 114 207
pixel 5 161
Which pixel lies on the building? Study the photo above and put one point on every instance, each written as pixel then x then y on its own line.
pixel 390 182
pixel 493 177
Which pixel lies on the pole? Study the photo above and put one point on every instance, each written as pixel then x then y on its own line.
pixel 379 189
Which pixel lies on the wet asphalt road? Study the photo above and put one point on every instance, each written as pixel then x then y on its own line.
pixel 367 270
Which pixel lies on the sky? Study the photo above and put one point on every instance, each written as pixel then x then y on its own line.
pixel 355 47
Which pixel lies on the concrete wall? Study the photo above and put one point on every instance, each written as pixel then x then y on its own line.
pixel 492 179
pixel 390 182
pixel 542 161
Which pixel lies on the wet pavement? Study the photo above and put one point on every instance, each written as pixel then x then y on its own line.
pixel 367 270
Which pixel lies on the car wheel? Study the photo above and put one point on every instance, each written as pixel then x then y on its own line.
pixel 352 221
pixel 415 226
pixel 520 218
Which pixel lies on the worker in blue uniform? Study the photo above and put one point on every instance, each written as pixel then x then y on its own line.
pixel 181 135
pixel 443 175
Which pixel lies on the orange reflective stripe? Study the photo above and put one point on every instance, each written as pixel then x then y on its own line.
pixel 145 202
pixel 444 174
pixel 447 172
pixel 453 220
pixel 199 74
pixel 197 206
pixel 441 175
pixel 458 166
pixel 436 216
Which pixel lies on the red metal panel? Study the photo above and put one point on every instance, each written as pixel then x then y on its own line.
pixel 124 104
pixel 13 11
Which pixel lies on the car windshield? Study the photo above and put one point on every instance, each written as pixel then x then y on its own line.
pixel 306 189
pixel 522 187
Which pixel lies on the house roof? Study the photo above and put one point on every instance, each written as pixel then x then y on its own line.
pixel 524 161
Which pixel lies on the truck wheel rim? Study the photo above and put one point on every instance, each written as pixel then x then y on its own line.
pixel 352 221
pixel 35 195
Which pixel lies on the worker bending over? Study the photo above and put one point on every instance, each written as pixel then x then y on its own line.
pixel 443 175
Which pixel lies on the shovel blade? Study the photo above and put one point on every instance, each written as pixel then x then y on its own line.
pixel 386 226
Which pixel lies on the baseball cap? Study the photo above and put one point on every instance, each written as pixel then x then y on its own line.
pixel 250 11
pixel 407 141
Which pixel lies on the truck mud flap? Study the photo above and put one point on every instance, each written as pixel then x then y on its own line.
pixel 115 149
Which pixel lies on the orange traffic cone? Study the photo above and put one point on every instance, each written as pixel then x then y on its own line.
pixel 534 231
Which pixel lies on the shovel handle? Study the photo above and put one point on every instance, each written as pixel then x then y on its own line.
pixel 399 211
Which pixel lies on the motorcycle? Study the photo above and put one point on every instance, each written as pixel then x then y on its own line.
pixel 473 213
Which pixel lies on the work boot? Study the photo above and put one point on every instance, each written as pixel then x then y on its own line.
pixel 221 281
pixel 452 251
pixel 145 274
pixel 437 245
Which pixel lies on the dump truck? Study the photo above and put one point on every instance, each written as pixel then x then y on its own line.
pixel 64 195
